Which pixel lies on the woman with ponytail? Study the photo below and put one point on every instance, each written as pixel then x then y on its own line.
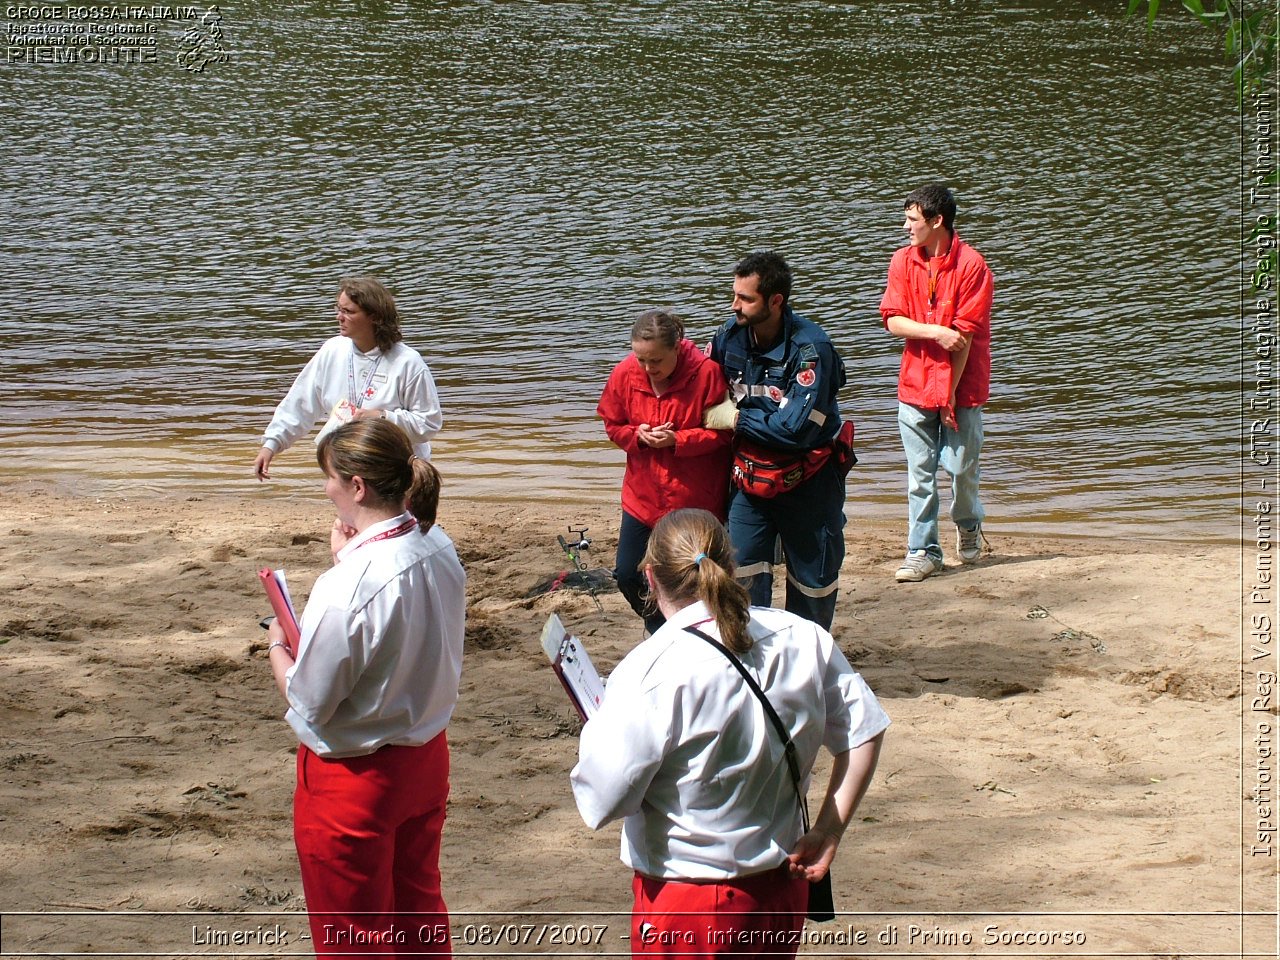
pixel 371 690
pixel 685 751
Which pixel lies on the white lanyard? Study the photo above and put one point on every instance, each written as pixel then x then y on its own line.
pixel 357 399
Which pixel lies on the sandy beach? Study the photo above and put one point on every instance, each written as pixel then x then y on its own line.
pixel 1065 738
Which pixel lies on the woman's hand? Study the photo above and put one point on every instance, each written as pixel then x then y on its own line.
pixel 851 772
pixel 340 536
pixel 812 856
pixel 365 413
pixel 663 435
pixel 262 465
pixel 278 655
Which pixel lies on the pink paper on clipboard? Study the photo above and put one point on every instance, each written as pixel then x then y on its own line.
pixel 282 605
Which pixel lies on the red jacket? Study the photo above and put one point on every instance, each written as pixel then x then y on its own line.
pixel 962 301
pixel 693 473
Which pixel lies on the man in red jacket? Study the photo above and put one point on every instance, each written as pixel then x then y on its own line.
pixel 938 299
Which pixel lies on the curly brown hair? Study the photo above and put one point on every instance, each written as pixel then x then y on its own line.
pixel 371 296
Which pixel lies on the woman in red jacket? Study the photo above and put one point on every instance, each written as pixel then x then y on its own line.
pixel 652 408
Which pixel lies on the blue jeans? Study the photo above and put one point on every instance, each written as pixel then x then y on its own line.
pixel 633 540
pixel 928 445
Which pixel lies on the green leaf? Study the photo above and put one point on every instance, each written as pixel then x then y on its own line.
pixel 1251 37
pixel 1205 16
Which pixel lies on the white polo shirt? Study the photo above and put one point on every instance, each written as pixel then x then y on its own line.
pixel 683 750
pixel 380 654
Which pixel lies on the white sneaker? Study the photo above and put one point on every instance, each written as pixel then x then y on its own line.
pixel 917 566
pixel 969 543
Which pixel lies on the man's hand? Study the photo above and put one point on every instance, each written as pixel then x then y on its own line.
pixel 723 416
pixel 950 339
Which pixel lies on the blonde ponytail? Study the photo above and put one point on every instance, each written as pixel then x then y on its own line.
pixel 691 559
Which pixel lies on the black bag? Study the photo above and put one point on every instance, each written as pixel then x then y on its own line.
pixel 822 906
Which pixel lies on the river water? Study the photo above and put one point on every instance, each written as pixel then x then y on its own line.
pixel 527 176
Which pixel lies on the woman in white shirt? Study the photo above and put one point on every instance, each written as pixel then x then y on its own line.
pixel 684 751
pixel 372 688
pixel 365 371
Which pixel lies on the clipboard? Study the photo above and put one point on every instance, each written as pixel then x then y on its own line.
pixel 572 664
pixel 277 588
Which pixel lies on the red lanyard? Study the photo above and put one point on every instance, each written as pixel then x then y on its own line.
pixel 400 531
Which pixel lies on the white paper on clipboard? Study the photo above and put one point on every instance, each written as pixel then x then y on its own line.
pixel 572 664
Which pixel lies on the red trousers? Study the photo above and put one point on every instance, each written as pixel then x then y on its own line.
pixel 757 916
pixel 367 830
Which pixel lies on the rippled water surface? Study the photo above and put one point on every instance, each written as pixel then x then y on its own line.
pixel 529 175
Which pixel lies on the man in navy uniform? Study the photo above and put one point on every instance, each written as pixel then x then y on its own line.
pixel 783 375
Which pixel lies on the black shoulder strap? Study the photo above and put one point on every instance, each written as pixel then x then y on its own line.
pixel 788 746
